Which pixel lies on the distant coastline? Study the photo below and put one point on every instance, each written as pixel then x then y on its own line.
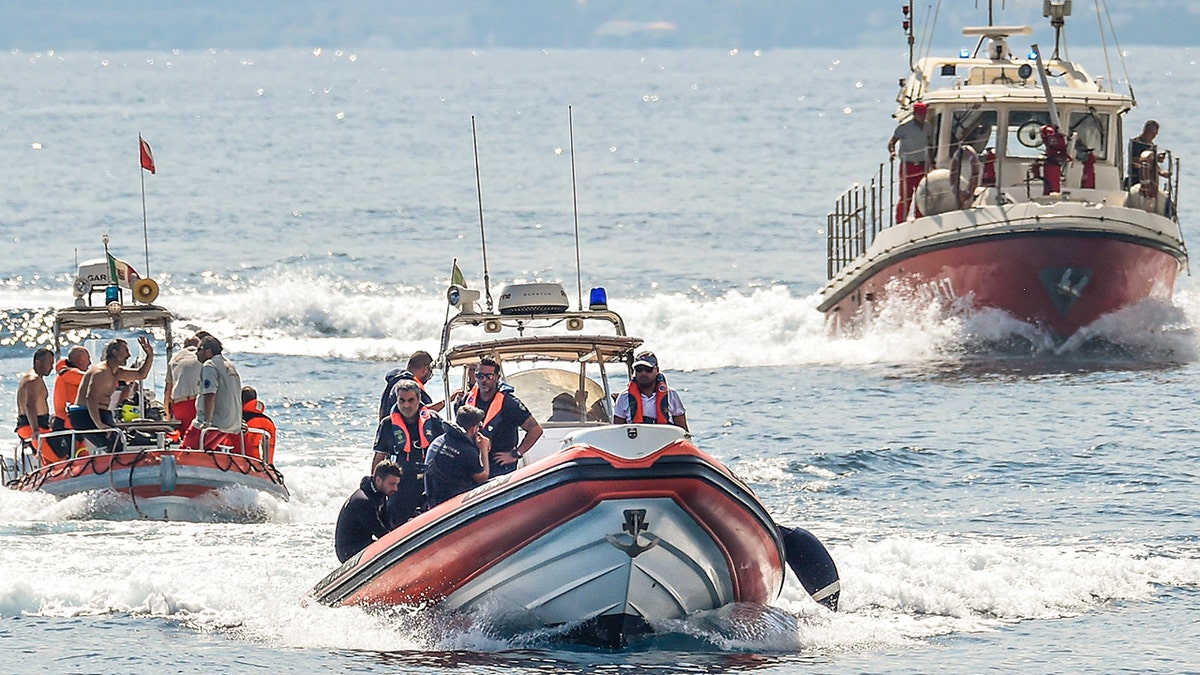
pixel 540 24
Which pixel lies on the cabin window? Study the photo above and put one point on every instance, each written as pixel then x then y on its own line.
pixel 975 127
pixel 1090 131
pixel 1025 132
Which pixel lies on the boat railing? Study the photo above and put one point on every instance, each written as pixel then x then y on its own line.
pixel 262 442
pixel 859 214
pixel 27 459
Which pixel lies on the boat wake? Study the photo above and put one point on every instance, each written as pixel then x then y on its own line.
pixel 307 315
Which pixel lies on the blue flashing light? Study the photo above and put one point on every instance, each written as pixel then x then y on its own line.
pixel 964 53
pixel 1032 55
pixel 112 294
pixel 598 298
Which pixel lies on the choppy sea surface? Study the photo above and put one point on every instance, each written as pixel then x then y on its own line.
pixel 994 502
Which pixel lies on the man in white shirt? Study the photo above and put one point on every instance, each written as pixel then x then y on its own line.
pixel 649 400
pixel 183 382
pixel 219 405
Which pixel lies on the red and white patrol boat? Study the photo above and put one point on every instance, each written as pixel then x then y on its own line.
pixel 1055 232
pixel 161 481
pixel 606 531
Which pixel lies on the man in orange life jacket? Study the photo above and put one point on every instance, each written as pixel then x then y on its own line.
pixel 258 445
pixel 66 389
pixel 649 399
pixel 504 416
pixel 402 437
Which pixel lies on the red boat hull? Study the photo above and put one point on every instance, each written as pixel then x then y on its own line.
pixel 519 539
pixel 1060 282
pixel 164 484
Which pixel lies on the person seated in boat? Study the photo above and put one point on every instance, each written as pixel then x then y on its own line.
pixel 219 406
pixel 565 407
pixel 649 400
pixel 33 409
pixel 183 382
pixel 66 389
pixel 363 518
pixel 914 138
pixel 403 437
pixel 90 410
pixel 418 369
pixel 504 418
pixel 457 460
pixel 261 445
pixel 964 163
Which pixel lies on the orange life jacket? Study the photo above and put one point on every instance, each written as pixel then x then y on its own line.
pixel 425 436
pixel 660 402
pixel 255 418
pixel 66 389
pixel 493 409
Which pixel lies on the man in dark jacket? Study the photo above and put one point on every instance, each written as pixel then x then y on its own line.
pixel 403 437
pixel 458 460
pixel 363 517
pixel 419 369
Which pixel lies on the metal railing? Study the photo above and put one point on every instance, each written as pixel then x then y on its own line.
pixel 859 214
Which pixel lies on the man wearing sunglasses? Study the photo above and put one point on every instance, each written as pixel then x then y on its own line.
pixel 504 416
pixel 649 399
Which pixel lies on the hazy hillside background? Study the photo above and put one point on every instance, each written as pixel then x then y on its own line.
pixel 552 24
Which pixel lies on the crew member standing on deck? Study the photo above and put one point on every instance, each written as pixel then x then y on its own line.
pixel 504 416
pixel 649 399
pixel 403 437
pixel 915 141
pixel 33 410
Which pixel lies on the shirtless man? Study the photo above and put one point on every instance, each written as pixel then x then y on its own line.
pixel 95 391
pixel 33 411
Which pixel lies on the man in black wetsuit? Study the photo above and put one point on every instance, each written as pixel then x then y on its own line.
pixel 363 517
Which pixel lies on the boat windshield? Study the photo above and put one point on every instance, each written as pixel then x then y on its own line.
pixel 1090 131
pixel 556 395
pixel 1024 132
pixel 976 127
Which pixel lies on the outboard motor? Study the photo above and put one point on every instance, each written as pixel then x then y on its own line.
pixel 813 565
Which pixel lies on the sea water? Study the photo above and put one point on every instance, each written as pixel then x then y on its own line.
pixel 993 501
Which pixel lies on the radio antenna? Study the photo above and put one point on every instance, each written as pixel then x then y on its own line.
pixel 575 206
pixel 487 282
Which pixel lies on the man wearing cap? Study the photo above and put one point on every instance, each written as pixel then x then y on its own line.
pixel 649 399
pixel 915 138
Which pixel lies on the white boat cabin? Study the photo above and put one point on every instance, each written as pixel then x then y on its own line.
pixel 995 102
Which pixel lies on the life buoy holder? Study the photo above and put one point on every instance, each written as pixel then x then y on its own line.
pixel 145 290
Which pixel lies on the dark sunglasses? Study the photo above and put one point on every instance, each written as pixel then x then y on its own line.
pixel 484 376
pixel 643 369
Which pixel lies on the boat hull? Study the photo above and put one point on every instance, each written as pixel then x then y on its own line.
pixel 604 546
pixel 1046 273
pixel 162 484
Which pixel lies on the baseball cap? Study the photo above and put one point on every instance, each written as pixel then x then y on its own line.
pixel 646 359
pixel 919 106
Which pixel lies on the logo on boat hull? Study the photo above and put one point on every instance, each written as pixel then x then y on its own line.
pixel 629 541
pixel 1064 285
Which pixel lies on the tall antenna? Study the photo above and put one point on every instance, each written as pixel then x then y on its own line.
pixel 575 206
pixel 487 282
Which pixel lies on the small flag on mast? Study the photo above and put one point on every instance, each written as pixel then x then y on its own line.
pixel 147 155
pixel 456 276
